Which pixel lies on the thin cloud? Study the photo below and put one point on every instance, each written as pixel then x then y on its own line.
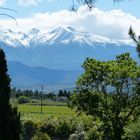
pixel 51 0
pixel 113 24
pixel 28 2
pixel 2 2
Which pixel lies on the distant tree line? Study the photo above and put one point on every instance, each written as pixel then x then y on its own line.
pixel 37 94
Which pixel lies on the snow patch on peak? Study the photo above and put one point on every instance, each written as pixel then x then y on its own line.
pixel 70 28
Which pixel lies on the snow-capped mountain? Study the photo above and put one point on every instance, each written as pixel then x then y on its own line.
pixel 64 35
pixel 60 48
pixel 55 57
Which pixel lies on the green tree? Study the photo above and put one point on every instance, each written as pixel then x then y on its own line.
pixel 109 91
pixel 10 126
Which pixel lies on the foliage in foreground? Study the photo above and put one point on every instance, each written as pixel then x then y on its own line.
pixel 60 128
pixel 110 92
pixel 72 128
pixel 41 136
pixel 132 131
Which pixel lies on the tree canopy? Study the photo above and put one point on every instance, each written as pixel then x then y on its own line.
pixel 109 91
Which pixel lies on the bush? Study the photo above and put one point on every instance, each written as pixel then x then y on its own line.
pixel 132 132
pixel 28 130
pixel 72 128
pixel 63 129
pixel 23 99
pixel 60 128
pixel 48 126
pixel 93 134
pixel 79 134
pixel 34 101
pixel 41 136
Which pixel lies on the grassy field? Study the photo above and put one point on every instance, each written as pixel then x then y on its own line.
pixel 34 111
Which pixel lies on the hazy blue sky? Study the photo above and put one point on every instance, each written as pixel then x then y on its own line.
pixel 108 19
pixel 26 8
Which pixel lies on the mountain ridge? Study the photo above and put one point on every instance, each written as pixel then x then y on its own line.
pixel 59 34
pixel 23 75
pixel 63 48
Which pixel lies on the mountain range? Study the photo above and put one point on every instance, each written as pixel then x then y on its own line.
pixel 59 52
pixel 24 76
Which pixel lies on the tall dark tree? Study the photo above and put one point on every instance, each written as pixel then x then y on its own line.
pixel 10 126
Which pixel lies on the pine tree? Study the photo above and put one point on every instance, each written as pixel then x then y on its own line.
pixel 10 126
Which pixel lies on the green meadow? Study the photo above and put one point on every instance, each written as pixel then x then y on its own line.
pixel 33 112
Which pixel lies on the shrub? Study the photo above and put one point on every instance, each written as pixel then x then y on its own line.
pixel 23 99
pixel 41 136
pixel 72 128
pixel 28 130
pixel 63 129
pixel 48 126
pixel 132 132
pixel 79 134
pixel 34 101
pixel 93 134
pixel 60 128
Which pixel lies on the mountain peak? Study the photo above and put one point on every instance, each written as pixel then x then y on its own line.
pixel 59 35
pixel 34 31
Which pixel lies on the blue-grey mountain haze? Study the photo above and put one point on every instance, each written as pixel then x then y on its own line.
pixel 55 57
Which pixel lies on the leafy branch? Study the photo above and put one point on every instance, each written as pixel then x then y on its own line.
pixel 8 15
pixel 89 3
pixel 135 39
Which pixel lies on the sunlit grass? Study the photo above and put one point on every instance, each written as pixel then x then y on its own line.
pixel 34 111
